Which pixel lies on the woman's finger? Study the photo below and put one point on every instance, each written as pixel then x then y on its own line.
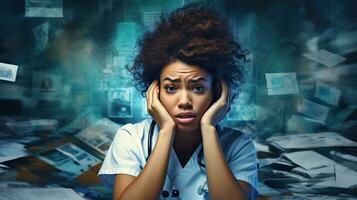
pixel 149 98
pixel 223 97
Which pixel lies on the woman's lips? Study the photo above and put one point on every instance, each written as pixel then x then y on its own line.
pixel 185 120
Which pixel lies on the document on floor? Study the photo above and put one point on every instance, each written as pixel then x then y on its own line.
pixel 69 158
pixel 310 140
pixel 11 151
pixel 282 83
pixel 43 8
pixel 324 57
pixel 312 164
pixel 38 194
pixel 100 135
pixel 344 178
pixel 8 72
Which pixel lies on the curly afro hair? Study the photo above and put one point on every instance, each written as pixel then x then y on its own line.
pixel 195 35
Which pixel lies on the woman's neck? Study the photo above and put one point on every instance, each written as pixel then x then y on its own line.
pixel 186 143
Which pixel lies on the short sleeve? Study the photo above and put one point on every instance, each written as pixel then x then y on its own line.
pixel 121 158
pixel 243 162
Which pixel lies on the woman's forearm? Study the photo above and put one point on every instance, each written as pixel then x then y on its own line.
pixel 149 183
pixel 221 181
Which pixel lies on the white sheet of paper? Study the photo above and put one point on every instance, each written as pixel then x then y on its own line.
pixel 327 93
pixel 282 83
pixel 318 173
pixel 11 151
pixel 69 158
pixel 99 135
pixel 313 110
pixel 311 140
pixel 43 8
pixel 8 72
pixel 39 194
pixel 308 159
pixel 344 178
pixel 324 57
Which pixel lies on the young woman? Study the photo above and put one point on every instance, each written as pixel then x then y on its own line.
pixel 187 66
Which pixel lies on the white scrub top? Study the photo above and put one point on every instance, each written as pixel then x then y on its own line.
pixel 129 150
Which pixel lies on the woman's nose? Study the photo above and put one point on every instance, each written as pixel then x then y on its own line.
pixel 185 101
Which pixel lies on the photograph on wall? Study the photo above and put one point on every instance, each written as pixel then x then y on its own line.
pixel 120 103
pixel 46 85
pixel 43 8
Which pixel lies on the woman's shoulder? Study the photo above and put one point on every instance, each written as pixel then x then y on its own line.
pixel 137 129
pixel 229 135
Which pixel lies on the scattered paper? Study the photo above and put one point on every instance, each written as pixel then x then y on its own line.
pixel 308 159
pixel 38 194
pixel 8 72
pixel 281 83
pixel 69 158
pixel 11 151
pixel 344 156
pixel 344 178
pixel 33 125
pixel 100 135
pixel 310 140
pixel 327 93
pixel 324 57
pixel 43 8
pixel 313 110
pixel 82 121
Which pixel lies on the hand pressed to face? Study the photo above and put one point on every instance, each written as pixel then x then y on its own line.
pixel 218 109
pixel 156 109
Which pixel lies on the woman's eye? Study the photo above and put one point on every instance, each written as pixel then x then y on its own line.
pixel 199 89
pixel 170 89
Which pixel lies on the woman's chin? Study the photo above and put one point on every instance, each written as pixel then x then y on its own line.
pixel 187 127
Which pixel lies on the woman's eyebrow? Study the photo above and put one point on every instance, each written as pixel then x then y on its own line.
pixel 190 81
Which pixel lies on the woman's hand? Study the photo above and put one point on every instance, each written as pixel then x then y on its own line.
pixel 156 109
pixel 218 109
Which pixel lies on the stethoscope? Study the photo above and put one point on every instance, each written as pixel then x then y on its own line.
pixel 175 192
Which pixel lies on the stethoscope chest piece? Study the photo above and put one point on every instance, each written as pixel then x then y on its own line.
pixel 202 189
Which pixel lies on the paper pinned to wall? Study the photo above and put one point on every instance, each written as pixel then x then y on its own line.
pixel 43 8
pixel 150 18
pixel 41 36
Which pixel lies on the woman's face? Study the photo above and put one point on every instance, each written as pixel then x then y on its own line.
pixel 186 93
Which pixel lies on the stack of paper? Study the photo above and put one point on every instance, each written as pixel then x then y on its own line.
pixel 309 141
pixel 33 125
pixel 38 194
